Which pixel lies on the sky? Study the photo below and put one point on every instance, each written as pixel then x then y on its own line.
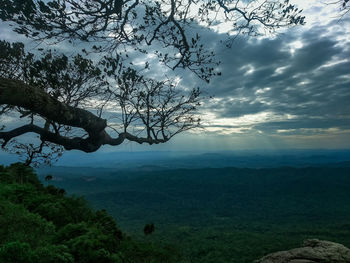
pixel 291 90
pixel 286 91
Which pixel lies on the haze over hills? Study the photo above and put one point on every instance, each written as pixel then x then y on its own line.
pixel 152 161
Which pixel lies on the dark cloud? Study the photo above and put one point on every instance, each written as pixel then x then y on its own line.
pixel 302 75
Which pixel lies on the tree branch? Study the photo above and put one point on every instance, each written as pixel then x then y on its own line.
pixel 17 93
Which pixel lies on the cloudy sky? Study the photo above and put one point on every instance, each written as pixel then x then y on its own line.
pixel 290 90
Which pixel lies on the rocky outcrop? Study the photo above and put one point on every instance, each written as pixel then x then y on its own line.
pixel 312 251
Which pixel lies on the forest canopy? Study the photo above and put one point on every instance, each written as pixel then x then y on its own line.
pixel 43 225
pixel 99 85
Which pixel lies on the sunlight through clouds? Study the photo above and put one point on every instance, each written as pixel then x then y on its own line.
pixel 292 85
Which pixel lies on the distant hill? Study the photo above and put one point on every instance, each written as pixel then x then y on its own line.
pixel 154 161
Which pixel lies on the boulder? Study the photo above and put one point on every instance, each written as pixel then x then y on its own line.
pixel 312 251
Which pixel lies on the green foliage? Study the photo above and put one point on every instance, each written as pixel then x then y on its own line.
pixel 45 226
pixel 15 252
pixel 52 254
pixel 21 252
pixel 20 174
pixel 204 215
pixel 21 225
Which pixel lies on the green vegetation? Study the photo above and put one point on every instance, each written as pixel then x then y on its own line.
pixel 42 225
pixel 222 215
pixel 200 215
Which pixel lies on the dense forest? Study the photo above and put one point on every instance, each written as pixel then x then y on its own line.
pixel 179 215
pixel 40 224
pixel 220 214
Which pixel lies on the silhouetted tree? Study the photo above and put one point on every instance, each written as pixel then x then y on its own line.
pixel 344 6
pixel 66 100
pixel 148 229
pixel 48 177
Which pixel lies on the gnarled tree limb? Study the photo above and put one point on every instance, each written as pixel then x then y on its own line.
pixel 17 93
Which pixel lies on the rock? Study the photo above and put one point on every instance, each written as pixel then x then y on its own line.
pixel 312 251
